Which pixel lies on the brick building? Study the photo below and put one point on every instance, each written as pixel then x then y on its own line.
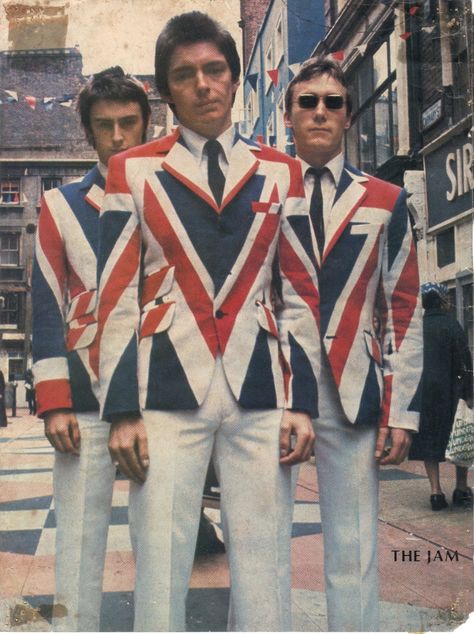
pixel 41 146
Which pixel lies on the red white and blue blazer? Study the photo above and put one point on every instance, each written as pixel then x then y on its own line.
pixel 369 269
pixel 64 283
pixel 183 280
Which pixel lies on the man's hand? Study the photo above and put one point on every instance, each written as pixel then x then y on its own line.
pixel 296 424
pixel 128 447
pixel 401 441
pixel 62 431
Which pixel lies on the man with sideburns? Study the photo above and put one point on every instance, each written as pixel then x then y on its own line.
pixel 362 246
pixel 114 112
pixel 209 337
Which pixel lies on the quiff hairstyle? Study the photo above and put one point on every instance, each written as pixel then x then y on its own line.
pixel 190 28
pixel 315 67
pixel 111 84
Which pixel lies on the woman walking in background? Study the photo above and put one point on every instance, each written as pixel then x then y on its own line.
pixel 447 376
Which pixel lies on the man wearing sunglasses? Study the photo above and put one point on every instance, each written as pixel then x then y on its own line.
pixel 361 243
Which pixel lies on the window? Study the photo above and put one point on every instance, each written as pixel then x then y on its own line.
pixel 269 65
pixel 445 252
pixel 10 192
pixel 15 366
pixel 253 110
pixel 50 183
pixel 279 48
pixel 271 140
pixel 9 309
pixel 373 138
pixel 9 249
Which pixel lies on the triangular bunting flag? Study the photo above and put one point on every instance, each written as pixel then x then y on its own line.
pixel 16 198
pixel 338 55
pixel 428 29
pixel 252 79
pixel 413 10
pixel 24 198
pixel 12 96
pixel 31 101
pixel 405 36
pixel 294 67
pixel 66 104
pixel 273 74
pixel 157 129
pixel 146 86
pixel 47 103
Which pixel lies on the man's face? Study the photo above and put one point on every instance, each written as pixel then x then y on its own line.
pixel 318 131
pixel 201 88
pixel 116 126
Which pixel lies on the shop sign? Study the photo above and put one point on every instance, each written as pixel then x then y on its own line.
pixel 450 179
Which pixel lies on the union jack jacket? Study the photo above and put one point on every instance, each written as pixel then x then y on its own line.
pixel 369 270
pixel 183 280
pixel 64 283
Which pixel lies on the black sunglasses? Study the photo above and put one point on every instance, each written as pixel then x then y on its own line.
pixel 332 102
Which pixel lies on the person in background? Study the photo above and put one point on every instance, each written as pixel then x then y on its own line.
pixel 114 112
pixel 3 411
pixel 30 391
pixel 447 377
pixel 362 245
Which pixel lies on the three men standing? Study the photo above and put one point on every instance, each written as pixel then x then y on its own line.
pixel 199 255
pixel 369 384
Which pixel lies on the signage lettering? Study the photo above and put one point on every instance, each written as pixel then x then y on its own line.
pixel 459 172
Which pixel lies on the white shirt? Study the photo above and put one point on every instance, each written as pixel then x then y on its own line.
pixel 329 182
pixel 102 169
pixel 195 144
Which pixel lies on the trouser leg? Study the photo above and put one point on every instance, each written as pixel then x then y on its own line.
pixel 164 515
pixel 256 508
pixel 348 486
pixel 83 488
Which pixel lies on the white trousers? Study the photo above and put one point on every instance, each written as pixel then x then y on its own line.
pixel 83 488
pixel 348 488
pixel 255 507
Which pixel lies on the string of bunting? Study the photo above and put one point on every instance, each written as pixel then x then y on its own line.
pixel 46 103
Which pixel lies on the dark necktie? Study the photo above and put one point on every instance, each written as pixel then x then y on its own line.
pixel 215 176
pixel 316 207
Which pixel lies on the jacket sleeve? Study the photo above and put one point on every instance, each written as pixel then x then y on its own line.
pixel 402 328
pixel 49 276
pixel 118 310
pixel 298 306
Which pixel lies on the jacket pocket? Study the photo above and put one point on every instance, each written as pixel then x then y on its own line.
pixel 373 346
pixel 81 321
pixel 266 207
pixel 157 284
pixel 157 319
pixel 266 318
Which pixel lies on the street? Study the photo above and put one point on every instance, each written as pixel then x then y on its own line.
pixel 424 557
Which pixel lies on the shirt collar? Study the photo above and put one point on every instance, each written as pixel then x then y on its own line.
pixel 335 166
pixel 195 142
pixel 102 169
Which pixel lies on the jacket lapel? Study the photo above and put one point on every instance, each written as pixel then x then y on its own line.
pixel 242 166
pixel 349 195
pixel 93 186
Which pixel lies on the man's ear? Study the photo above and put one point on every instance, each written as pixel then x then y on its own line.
pixel 287 119
pixel 348 123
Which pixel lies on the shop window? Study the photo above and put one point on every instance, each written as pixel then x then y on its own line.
pixel 269 65
pixel 50 183
pixel 9 249
pixel 10 192
pixel 445 250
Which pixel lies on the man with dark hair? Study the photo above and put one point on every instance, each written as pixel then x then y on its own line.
pixel 361 243
pixel 114 111
pixel 190 230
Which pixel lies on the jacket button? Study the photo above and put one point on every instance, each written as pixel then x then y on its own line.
pixel 219 314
